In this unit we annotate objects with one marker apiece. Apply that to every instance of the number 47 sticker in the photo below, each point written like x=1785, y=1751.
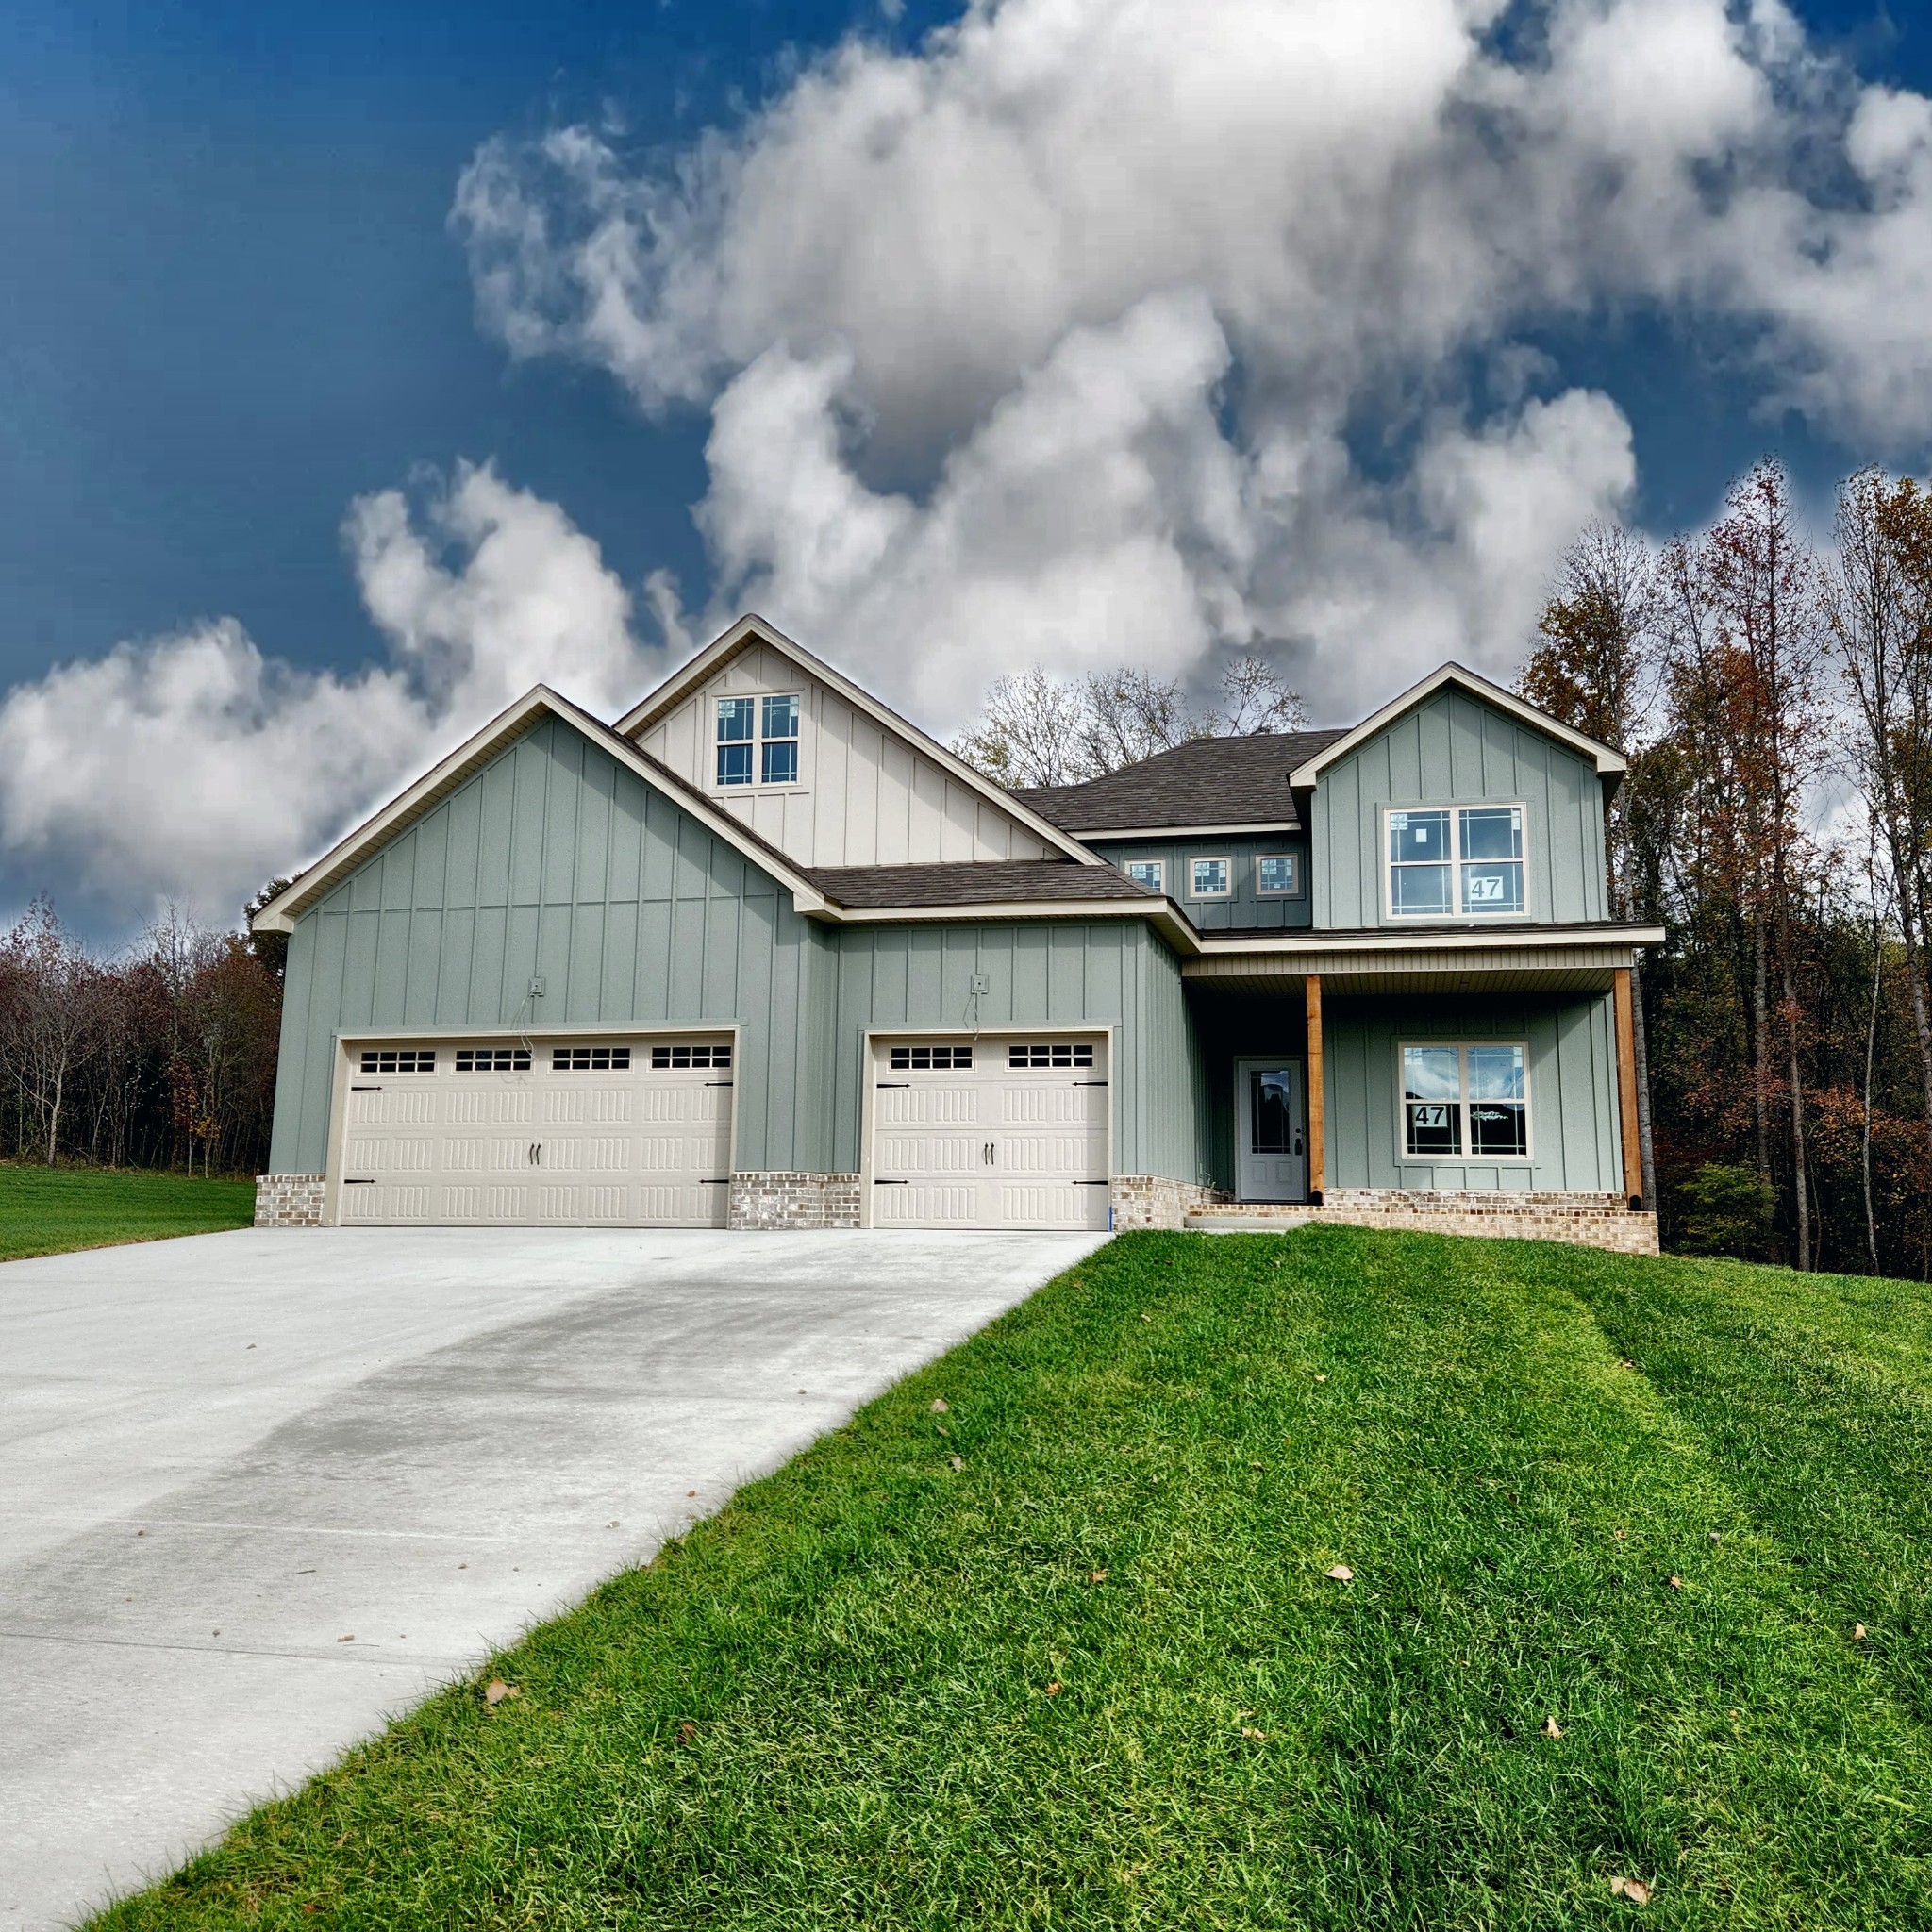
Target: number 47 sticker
x=1484, y=886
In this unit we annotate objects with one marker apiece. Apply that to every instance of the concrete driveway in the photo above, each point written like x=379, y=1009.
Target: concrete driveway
x=260, y=1490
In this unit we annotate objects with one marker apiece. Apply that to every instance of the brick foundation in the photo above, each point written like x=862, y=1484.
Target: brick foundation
x=773, y=1199
x=288, y=1200
x=1593, y=1221
x=1151, y=1200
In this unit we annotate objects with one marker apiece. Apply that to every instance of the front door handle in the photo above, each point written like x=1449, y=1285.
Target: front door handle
x=1297, y=1144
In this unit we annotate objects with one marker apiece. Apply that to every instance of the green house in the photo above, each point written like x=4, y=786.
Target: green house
x=760, y=953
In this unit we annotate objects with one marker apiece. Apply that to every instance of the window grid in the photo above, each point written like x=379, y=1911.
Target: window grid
x=1465, y=1100
x=399, y=1060
x=590, y=1060
x=1210, y=879
x=1278, y=874
x=1459, y=862
x=492, y=1059
x=1050, y=1053
x=678, y=1057
x=1151, y=872
x=758, y=739
x=922, y=1060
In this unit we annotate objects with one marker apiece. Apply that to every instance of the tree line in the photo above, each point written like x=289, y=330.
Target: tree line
x=162, y=1054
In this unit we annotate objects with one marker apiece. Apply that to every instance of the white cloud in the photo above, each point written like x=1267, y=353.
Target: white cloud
x=1052, y=336
x=192, y=767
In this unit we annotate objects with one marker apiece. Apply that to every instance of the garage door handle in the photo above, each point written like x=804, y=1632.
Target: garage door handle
x=892, y=1184
x=895, y=1083
x=1090, y=1083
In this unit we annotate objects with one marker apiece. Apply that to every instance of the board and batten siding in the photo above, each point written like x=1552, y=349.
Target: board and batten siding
x=1071, y=974
x=1455, y=749
x=1571, y=1076
x=865, y=796
x=556, y=861
x=1246, y=909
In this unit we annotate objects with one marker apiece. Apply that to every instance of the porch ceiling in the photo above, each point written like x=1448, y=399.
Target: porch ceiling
x=1418, y=970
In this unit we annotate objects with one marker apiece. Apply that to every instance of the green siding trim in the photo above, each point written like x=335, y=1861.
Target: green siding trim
x=1573, y=1093
x=1457, y=749
x=1112, y=973
x=1245, y=909
x=555, y=860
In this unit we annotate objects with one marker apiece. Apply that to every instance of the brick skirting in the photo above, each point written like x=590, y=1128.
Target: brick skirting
x=288, y=1200
x=1588, y=1220
x=775, y=1199
x=1151, y=1200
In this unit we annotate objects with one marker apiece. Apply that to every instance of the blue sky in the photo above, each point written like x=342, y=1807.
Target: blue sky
x=236, y=304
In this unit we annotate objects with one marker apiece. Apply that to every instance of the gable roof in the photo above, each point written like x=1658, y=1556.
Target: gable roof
x=1610, y=765
x=449, y=774
x=753, y=629
x=1205, y=783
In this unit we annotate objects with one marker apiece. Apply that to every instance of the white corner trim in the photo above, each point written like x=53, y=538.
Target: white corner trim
x=752, y=628
x=1609, y=764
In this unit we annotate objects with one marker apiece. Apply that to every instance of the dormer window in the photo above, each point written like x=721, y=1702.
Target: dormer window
x=1456, y=861
x=757, y=741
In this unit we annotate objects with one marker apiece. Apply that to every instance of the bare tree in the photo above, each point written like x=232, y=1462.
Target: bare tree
x=1033, y=730
x=1254, y=699
x=51, y=1023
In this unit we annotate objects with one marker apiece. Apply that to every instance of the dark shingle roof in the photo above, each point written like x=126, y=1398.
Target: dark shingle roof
x=973, y=883
x=1207, y=781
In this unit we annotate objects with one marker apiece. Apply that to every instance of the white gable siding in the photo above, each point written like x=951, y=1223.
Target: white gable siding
x=865, y=795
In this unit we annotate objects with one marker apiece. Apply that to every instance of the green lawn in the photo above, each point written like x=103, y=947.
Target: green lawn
x=1096, y=1676
x=46, y=1210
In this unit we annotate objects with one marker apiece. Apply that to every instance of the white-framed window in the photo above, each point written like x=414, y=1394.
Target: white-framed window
x=1455, y=862
x=1465, y=1100
x=1210, y=879
x=1151, y=872
x=1278, y=874
x=758, y=740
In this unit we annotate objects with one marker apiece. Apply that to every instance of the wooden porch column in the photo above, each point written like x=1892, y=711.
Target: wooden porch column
x=1627, y=1089
x=1318, y=1166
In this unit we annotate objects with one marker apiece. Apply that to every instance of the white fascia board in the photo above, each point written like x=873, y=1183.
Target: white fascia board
x=1609, y=764
x=753, y=628
x=281, y=913
x=1158, y=912
x=1255, y=829
x=1517, y=938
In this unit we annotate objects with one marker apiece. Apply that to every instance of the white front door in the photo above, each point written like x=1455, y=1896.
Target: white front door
x=992, y=1132
x=1270, y=1128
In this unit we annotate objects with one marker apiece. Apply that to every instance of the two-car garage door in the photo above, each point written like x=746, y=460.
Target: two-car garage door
x=575, y=1133
x=989, y=1132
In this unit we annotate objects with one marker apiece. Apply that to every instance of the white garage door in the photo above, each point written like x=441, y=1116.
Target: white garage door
x=989, y=1132
x=601, y=1133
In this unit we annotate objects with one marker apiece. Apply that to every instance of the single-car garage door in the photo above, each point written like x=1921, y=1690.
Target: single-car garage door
x=992, y=1132
x=566, y=1133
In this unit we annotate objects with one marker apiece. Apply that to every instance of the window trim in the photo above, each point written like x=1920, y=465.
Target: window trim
x=1455, y=807
x=1298, y=890
x=1194, y=859
x=1460, y=1043
x=1160, y=866
x=757, y=743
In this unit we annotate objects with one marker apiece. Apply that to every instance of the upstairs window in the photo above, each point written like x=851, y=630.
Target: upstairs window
x=1456, y=861
x=1210, y=879
x=1151, y=872
x=757, y=741
x=1278, y=874
x=1465, y=1102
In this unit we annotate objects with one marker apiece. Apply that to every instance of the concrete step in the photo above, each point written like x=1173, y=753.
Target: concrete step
x=1278, y=1222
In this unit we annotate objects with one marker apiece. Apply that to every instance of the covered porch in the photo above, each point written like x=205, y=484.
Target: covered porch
x=1468, y=1083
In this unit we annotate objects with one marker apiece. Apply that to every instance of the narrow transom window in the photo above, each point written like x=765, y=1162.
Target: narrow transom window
x=492, y=1059
x=681, y=1055
x=1151, y=872
x=1210, y=879
x=590, y=1060
x=736, y=720
x=1451, y=861
x=778, y=747
x=1051, y=1052
x=399, y=1060
x=1278, y=872
x=1465, y=1102
x=923, y=1060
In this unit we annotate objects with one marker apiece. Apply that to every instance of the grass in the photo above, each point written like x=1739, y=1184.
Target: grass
x=47, y=1210
x=1096, y=1676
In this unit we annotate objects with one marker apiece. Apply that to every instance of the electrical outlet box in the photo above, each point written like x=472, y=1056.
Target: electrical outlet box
x=981, y=983
x=538, y=988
